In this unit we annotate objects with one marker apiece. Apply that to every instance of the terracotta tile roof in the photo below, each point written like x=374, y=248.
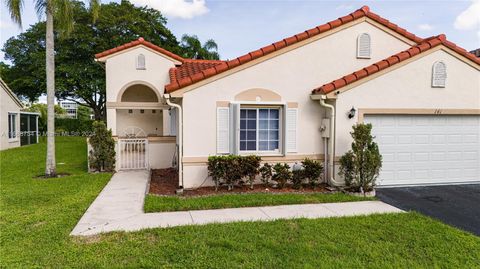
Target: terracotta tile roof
x=137, y=42
x=217, y=69
x=426, y=45
x=191, y=67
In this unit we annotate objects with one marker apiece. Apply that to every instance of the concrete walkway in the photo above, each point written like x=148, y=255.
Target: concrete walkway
x=119, y=207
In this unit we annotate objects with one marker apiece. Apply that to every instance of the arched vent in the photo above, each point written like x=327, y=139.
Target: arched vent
x=141, y=62
x=364, y=46
x=439, y=74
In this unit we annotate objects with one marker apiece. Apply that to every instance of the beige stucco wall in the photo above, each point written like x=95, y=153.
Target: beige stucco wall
x=8, y=105
x=160, y=154
x=151, y=123
x=409, y=87
x=291, y=75
x=121, y=72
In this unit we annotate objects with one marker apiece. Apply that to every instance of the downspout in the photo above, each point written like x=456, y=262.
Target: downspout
x=331, y=160
x=180, y=138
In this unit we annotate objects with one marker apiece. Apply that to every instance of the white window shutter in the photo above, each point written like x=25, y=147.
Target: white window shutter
x=291, y=118
x=223, y=130
x=439, y=74
x=234, y=128
x=173, y=121
x=364, y=46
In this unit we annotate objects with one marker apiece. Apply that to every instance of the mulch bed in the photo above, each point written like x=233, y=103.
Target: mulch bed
x=165, y=182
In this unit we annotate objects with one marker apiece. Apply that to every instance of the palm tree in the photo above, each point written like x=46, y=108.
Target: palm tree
x=195, y=50
x=61, y=12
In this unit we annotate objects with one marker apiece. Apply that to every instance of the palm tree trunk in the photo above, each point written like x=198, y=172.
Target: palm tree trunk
x=50, y=169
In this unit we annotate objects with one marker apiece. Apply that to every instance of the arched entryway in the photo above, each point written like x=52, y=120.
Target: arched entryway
x=142, y=116
x=143, y=127
x=139, y=93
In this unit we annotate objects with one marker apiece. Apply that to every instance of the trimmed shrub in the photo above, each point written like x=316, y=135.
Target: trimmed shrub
x=234, y=170
x=298, y=175
x=266, y=173
x=361, y=165
x=102, y=155
x=282, y=174
x=216, y=169
x=312, y=171
x=251, y=164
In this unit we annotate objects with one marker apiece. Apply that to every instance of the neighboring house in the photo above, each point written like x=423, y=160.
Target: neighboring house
x=298, y=98
x=71, y=109
x=17, y=128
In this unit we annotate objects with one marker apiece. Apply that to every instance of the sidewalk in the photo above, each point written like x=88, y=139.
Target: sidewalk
x=119, y=207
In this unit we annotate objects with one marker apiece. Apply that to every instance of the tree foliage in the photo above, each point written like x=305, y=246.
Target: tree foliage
x=193, y=48
x=361, y=165
x=78, y=76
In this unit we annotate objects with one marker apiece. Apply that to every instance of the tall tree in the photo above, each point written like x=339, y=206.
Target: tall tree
x=61, y=11
x=26, y=74
x=78, y=77
x=194, y=49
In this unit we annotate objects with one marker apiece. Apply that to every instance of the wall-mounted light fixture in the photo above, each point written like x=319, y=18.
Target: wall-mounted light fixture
x=352, y=112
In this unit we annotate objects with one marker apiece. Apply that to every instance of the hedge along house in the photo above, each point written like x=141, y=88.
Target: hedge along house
x=17, y=128
x=422, y=96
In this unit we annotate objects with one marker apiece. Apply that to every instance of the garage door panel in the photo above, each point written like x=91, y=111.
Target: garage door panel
x=427, y=149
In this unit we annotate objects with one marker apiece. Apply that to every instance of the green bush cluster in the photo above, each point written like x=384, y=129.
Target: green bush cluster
x=231, y=170
x=73, y=126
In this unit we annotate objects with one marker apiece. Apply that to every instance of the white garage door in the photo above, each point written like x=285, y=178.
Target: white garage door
x=427, y=149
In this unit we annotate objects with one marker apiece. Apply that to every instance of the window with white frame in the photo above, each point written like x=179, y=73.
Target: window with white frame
x=364, y=46
x=439, y=74
x=260, y=129
x=141, y=62
x=268, y=129
x=12, y=125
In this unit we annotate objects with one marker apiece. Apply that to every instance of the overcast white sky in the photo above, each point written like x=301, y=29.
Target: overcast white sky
x=239, y=26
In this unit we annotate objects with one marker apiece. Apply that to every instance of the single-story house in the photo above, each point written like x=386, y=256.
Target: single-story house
x=17, y=127
x=298, y=98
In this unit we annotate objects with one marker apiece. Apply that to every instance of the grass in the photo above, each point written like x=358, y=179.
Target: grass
x=154, y=203
x=36, y=217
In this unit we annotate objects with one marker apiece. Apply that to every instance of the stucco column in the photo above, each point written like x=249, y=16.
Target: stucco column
x=112, y=120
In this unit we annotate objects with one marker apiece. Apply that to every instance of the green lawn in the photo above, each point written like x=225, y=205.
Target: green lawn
x=36, y=217
x=155, y=203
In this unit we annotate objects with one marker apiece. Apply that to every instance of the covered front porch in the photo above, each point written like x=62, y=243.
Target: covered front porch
x=144, y=128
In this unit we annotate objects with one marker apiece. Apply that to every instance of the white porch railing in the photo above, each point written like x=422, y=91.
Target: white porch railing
x=132, y=153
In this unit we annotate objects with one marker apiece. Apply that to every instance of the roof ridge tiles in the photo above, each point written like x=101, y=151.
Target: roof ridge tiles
x=140, y=41
x=362, y=12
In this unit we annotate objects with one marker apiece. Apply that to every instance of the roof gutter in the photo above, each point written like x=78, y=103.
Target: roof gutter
x=179, y=138
x=331, y=140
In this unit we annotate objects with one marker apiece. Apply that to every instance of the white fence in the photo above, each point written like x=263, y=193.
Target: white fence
x=132, y=153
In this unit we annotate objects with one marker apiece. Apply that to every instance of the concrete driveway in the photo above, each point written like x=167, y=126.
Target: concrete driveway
x=457, y=205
